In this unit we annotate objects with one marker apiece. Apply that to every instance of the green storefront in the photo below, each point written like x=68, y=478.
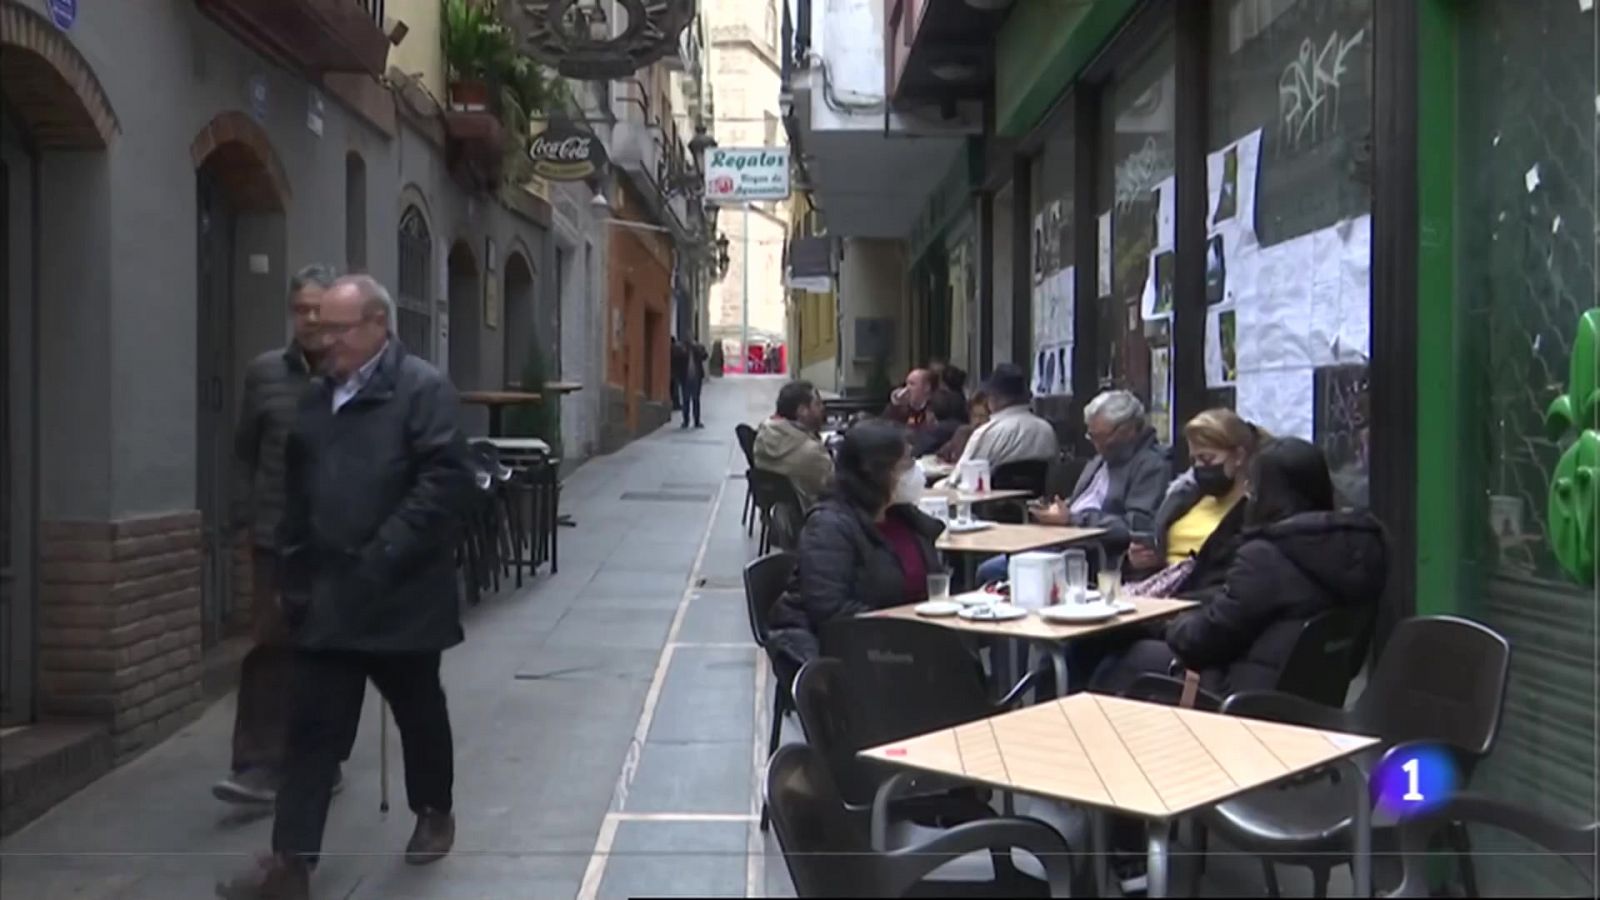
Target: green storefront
x=1445, y=151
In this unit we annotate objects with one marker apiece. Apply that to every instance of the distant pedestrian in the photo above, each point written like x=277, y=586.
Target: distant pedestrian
x=680, y=372
x=378, y=483
x=273, y=384
x=694, y=379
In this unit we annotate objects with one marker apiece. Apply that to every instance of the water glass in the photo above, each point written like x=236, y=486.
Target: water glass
x=964, y=514
x=1077, y=575
x=938, y=586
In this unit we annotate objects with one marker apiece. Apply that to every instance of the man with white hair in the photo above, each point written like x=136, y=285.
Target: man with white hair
x=377, y=487
x=1120, y=489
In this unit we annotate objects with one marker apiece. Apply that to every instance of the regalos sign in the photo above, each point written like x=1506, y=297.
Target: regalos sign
x=564, y=153
x=743, y=174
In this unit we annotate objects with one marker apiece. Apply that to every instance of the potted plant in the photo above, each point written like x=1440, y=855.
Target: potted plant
x=477, y=51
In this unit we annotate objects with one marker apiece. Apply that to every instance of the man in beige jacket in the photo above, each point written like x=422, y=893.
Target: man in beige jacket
x=789, y=444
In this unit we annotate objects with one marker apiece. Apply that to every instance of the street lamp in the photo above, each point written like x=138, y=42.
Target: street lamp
x=700, y=143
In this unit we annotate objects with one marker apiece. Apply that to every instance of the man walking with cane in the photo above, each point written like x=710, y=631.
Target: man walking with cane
x=378, y=483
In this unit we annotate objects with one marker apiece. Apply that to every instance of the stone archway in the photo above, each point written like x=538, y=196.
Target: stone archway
x=522, y=328
x=241, y=195
x=52, y=107
x=465, y=289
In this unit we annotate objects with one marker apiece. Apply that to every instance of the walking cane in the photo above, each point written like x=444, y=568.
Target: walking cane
x=383, y=757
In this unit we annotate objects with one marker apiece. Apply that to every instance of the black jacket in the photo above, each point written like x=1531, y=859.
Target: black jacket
x=932, y=440
x=376, y=493
x=273, y=385
x=1283, y=573
x=1214, y=557
x=846, y=567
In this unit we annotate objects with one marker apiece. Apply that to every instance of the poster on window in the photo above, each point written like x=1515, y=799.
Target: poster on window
x=1053, y=313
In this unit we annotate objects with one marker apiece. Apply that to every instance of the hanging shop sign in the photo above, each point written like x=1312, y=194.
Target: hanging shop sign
x=63, y=13
x=564, y=152
x=745, y=174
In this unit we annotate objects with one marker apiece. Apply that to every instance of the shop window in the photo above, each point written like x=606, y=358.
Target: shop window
x=416, y=272
x=1054, y=263
x=1135, y=195
x=355, y=213
x=1288, y=220
x=1526, y=257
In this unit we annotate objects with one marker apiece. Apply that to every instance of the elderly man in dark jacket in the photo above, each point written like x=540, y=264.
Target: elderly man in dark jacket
x=273, y=383
x=378, y=484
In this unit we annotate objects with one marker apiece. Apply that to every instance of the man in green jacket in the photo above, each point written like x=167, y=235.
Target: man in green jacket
x=789, y=443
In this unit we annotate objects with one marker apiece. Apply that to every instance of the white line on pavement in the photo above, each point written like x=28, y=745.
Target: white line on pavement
x=589, y=889
x=755, y=868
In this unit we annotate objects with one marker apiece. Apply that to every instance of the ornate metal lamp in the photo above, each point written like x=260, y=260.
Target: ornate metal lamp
x=581, y=41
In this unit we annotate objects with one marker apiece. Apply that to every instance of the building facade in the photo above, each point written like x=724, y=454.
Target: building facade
x=166, y=168
x=744, y=66
x=1368, y=224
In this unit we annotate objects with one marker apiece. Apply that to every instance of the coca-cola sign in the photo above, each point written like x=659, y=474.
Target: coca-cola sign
x=562, y=152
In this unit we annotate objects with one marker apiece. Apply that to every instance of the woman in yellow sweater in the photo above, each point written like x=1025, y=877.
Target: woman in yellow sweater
x=1200, y=518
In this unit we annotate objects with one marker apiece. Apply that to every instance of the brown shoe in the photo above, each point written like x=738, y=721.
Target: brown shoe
x=275, y=877
x=434, y=836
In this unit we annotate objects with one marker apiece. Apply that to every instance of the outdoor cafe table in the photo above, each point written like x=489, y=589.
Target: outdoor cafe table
x=1141, y=759
x=1007, y=538
x=1050, y=635
x=497, y=401
x=991, y=496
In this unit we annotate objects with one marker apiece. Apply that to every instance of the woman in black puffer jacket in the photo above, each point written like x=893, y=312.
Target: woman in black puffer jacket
x=864, y=546
x=1296, y=557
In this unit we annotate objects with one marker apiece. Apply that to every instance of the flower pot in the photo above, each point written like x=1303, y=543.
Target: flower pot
x=469, y=96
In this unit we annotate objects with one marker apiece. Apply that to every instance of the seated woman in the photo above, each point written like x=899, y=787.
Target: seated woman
x=977, y=415
x=1297, y=557
x=949, y=410
x=864, y=546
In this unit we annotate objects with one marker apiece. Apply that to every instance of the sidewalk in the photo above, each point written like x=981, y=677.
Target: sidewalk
x=606, y=724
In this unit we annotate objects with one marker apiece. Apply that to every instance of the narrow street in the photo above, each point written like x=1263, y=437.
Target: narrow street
x=608, y=725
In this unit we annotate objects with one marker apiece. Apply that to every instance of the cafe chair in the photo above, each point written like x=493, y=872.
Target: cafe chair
x=765, y=580
x=828, y=855
x=747, y=445
x=1022, y=475
x=1571, y=841
x=1440, y=680
x=1326, y=655
x=778, y=507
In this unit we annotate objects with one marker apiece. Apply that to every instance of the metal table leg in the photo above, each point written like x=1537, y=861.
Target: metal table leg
x=1160, y=853
x=1058, y=658
x=1361, y=855
x=1100, y=851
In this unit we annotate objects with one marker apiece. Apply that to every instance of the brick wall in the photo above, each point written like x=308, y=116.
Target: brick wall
x=120, y=625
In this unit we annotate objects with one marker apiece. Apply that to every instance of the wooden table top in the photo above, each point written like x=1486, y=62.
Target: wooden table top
x=1034, y=628
x=975, y=497
x=1004, y=538
x=1146, y=759
x=499, y=398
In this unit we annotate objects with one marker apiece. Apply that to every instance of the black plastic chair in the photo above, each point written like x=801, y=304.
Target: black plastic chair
x=1440, y=680
x=778, y=506
x=1028, y=475
x=747, y=445
x=764, y=582
x=828, y=853
x=1325, y=657
x=1573, y=842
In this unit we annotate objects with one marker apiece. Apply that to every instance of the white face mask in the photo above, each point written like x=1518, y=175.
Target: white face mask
x=910, y=487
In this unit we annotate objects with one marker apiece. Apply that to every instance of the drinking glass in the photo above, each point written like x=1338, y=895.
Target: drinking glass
x=1110, y=583
x=1077, y=575
x=964, y=513
x=938, y=586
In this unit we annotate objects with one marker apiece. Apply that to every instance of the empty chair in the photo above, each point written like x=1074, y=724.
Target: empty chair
x=764, y=582
x=1440, y=680
x=1572, y=841
x=828, y=853
x=1022, y=475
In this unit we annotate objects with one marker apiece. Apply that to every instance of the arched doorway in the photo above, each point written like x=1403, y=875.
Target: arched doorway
x=51, y=104
x=416, y=277
x=240, y=194
x=521, y=329
x=466, y=318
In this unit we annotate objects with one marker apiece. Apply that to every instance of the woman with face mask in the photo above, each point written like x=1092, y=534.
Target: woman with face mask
x=864, y=546
x=1198, y=522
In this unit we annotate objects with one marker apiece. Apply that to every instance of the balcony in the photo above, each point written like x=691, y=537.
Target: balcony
x=314, y=36
x=475, y=148
x=940, y=53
